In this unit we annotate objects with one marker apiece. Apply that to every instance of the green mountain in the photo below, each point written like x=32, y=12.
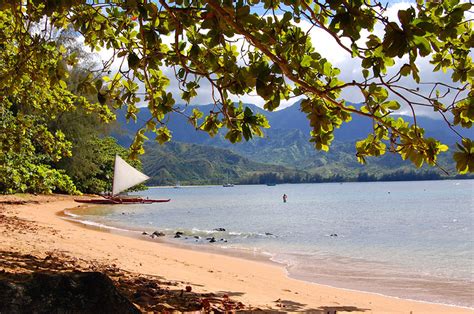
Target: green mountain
x=197, y=164
x=200, y=164
x=286, y=144
x=290, y=118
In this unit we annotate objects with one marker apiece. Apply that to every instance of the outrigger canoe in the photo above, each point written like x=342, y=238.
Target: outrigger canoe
x=118, y=200
x=125, y=176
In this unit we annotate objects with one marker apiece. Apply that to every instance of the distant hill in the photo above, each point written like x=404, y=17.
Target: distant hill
x=197, y=164
x=286, y=144
x=200, y=164
x=290, y=118
x=359, y=127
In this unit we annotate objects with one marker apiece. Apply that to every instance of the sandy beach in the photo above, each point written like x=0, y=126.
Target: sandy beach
x=30, y=226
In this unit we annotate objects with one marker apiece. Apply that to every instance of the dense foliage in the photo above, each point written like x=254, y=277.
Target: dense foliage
x=92, y=166
x=304, y=177
x=29, y=98
x=238, y=47
x=47, y=112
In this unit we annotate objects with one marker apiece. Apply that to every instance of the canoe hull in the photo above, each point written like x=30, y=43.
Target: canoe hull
x=116, y=200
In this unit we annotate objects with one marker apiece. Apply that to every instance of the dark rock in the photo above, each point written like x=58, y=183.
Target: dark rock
x=212, y=240
x=158, y=234
x=79, y=292
x=137, y=295
x=178, y=234
x=144, y=233
x=333, y=235
x=197, y=237
x=219, y=229
x=268, y=234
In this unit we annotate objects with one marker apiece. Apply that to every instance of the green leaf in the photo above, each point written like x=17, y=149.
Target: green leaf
x=465, y=156
x=102, y=97
x=133, y=60
x=391, y=104
x=306, y=61
x=365, y=73
x=423, y=45
x=163, y=135
x=63, y=84
x=405, y=70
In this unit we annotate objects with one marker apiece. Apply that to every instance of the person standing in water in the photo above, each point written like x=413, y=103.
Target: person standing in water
x=285, y=197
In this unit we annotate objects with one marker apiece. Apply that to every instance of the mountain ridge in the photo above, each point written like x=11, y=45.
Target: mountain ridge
x=289, y=118
x=285, y=144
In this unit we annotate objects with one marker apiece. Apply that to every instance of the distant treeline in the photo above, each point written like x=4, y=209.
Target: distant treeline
x=301, y=177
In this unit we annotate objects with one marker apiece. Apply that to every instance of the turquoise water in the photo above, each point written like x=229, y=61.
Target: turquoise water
x=404, y=239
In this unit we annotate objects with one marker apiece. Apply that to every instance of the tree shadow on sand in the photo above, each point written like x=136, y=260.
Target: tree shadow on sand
x=336, y=309
x=149, y=293
x=292, y=306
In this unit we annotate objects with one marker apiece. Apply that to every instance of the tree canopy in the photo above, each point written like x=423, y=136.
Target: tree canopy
x=239, y=48
x=45, y=114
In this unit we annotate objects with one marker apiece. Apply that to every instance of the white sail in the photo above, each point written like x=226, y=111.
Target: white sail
x=125, y=176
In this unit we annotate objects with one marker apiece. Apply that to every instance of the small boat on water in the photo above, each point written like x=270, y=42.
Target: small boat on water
x=228, y=184
x=125, y=176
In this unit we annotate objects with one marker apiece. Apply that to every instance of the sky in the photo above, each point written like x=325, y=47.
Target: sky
x=329, y=49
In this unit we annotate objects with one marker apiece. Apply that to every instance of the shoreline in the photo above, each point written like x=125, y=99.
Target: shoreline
x=254, y=283
x=239, y=253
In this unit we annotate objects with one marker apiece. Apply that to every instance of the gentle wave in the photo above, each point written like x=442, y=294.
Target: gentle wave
x=68, y=213
x=78, y=219
x=207, y=232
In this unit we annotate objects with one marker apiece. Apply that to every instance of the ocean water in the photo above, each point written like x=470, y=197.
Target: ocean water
x=411, y=240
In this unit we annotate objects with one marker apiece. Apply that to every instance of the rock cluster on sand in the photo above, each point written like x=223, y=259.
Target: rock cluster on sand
x=81, y=292
x=180, y=234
